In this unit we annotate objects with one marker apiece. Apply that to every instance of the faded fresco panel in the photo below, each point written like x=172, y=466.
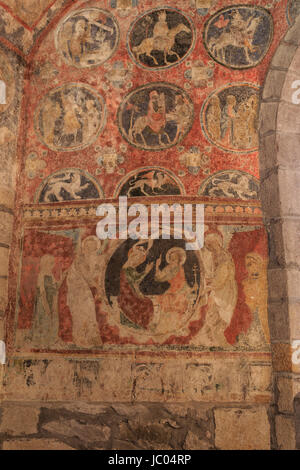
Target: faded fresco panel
x=78, y=292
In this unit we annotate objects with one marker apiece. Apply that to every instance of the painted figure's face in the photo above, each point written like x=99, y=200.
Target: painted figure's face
x=80, y=27
x=231, y=100
x=176, y=257
x=254, y=265
x=213, y=242
x=90, y=246
x=215, y=101
x=137, y=255
x=47, y=263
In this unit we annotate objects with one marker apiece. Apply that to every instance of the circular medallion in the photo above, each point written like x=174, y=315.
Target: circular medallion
x=155, y=116
x=239, y=36
x=7, y=84
x=70, y=117
x=161, y=38
x=149, y=181
x=69, y=184
x=292, y=10
x=153, y=288
x=87, y=37
x=230, y=184
x=229, y=118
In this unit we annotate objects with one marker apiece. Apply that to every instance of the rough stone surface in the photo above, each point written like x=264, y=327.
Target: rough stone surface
x=285, y=432
x=18, y=419
x=242, y=429
x=117, y=426
x=285, y=391
x=35, y=444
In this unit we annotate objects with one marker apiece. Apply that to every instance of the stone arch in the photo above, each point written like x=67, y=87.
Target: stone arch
x=280, y=180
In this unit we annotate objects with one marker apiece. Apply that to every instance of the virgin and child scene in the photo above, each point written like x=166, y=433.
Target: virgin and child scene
x=78, y=292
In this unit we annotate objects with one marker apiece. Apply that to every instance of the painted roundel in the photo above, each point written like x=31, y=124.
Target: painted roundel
x=156, y=116
x=153, y=289
x=229, y=118
x=231, y=184
x=239, y=36
x=149, y=181
x=69, y=184
x=70, y=117
x=292, y=10
x=87, y=37
x=161, y=38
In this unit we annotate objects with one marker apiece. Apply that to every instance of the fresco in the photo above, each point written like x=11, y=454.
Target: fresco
x=151, y=181
x=67, y=185
x=70, y=117
x=239, y=36
x=144, y=292
x=7, y=77
x=87, y=37
x=230, y=184
x=28, y=10
x=155, y=116
x=161, y=38
x=292, y=10
x=229, y=117
x=157, y=102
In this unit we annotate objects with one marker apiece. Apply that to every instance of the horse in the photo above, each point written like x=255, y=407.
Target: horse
x=241, y=37
x=163, y=43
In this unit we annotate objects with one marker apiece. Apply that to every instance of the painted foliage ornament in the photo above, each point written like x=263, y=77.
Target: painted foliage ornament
x=87, y=37
x=239, y=36
x=70, y=117
x=161, y=38
x=156, y=116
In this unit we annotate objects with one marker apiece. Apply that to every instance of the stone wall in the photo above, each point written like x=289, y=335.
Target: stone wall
x=279, y=161
x=119, y=426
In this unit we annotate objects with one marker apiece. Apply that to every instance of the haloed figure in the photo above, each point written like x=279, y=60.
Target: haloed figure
x=221, y=289
x=81, y=280
x=133, y=303
x=175, y=301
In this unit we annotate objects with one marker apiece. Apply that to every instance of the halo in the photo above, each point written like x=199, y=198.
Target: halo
x=93, y=238
x=178, y=250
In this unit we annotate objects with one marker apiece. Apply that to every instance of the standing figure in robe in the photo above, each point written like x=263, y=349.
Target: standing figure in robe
x=71, y=122
x=255, y=288
x=79, y=40
x=228, y=121
x=175, y=301
x=133, y=303
x=46, y=320
x=213, y=118
x=82, y=278
x=221, y=290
